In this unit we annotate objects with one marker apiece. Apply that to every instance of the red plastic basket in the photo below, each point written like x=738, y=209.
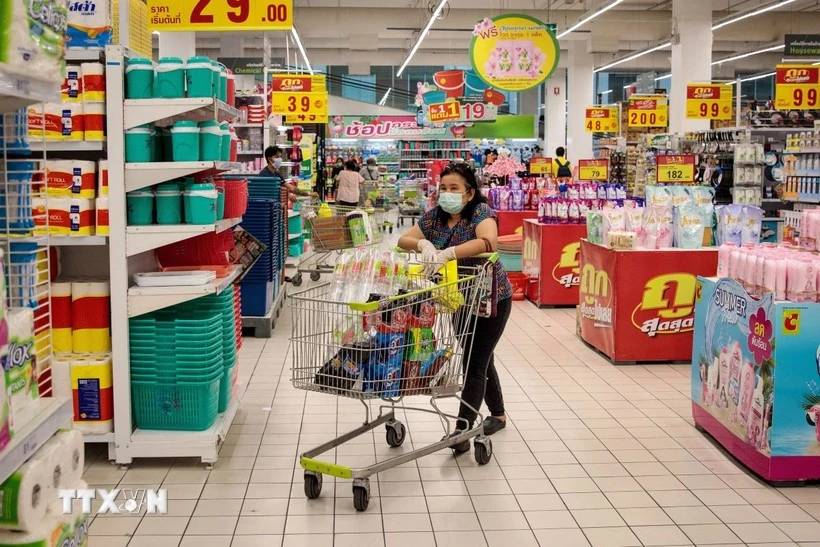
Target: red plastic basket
x=519, y=282
x=206, y=250
x=236, y=198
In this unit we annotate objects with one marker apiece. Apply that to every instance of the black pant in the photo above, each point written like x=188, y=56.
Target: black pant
x=347, y=203
x=481, y=379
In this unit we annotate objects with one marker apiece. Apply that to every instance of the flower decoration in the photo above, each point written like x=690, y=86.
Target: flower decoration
x=505, y=165
x=760, y=336
x=483, y=26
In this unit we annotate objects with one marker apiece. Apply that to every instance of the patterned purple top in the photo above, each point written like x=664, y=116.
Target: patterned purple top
x=442, y=236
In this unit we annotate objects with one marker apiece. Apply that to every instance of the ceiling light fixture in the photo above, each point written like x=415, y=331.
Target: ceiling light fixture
x=664, y=77
x=386, y=95
x=634, y=56
x=748, y=54
x=607, y=92
x=751, y=13
x=422, y=36
x=627, y=86
x=758, y=77
x=301, y=49
x=603, y=9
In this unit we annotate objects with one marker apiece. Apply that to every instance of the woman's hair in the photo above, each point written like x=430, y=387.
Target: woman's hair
x=351, y=165
x=371, y=161
x=468, y=174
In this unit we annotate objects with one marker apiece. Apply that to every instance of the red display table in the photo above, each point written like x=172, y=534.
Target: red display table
x=551, y=260
x=511, y=222
x=638, y=306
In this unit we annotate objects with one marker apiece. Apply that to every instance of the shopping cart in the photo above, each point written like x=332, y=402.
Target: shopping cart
x=406, y=345
x=332, y=229
x=411, y=200
x=377, y=197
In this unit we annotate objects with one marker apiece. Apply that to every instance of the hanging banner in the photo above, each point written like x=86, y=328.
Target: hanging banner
x=457, y=97
x=797, y=87
x=513, y=52
x=648, y=111
x=802, y=45
x=540, y=166
x=602, y=119
x=709, y=101
x=219, y=15
x=384, y=127
x=676, y=168
x=593, y=169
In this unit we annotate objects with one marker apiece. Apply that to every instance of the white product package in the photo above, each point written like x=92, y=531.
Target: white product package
x=23, y=497
x=20, y=367
x=63, y=455
x=34, y=39
x=89, y=24
x=61, y=374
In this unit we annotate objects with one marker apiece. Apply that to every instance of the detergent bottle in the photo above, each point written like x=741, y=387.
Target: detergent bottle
x=325, y=211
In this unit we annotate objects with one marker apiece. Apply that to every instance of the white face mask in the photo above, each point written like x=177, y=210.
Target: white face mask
x=450, y=202
x=277, y=162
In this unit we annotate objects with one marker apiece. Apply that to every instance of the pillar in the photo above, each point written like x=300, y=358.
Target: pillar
x=555, y=117
x=691, y=59
x=177, y=44
x=579, y=96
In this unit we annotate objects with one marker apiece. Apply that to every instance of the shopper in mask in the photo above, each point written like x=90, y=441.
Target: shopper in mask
x=370, y=172
x=460, y=227
x=350, y=182
x=273, y=158
x=338, y=167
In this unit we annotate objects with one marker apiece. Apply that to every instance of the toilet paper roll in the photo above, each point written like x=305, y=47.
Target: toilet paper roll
x=19, y=365
x=61, y=317
x=59, y=215
x=45, y=121
x=56, y=509
x=61, y=375
x=72, y=88
x=34, y=39
x=102, y=216
x=94, y=121
x=93, y=82
x=73, y=121
x=92, y=387
x=74, y=178
x=23, y=500
x=39, y=213
x=64, y=456
x=102, y=178
x=91, y=316
x=83, y=220
x=44, y=535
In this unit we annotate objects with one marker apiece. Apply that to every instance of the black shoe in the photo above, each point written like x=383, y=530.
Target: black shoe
x=462, y=447
x=493, y=425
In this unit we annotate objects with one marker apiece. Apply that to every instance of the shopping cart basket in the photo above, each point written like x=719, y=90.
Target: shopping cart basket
x=345, y=228
x=377, y=197
x=406, y=345
x=411, y=201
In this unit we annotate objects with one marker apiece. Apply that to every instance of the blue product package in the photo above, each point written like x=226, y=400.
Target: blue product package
x=384, y=371
x=89, y=24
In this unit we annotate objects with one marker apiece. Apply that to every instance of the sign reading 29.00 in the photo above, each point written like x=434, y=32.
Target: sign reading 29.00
x=220, y=15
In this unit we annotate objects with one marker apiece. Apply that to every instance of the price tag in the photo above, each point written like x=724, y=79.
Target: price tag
x=678, y=168
x=797, y=87
x=220, y=15
x=312, y=106
x=540, y=166
x=601, y=119
x=647, y=112
x=593, y=169
x=301, y=83
x=444, y=112
x=708, y=102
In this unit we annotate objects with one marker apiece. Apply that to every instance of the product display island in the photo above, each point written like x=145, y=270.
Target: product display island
x=638, y=306
x=551, y=260
x=747, y=354
x=511, y=222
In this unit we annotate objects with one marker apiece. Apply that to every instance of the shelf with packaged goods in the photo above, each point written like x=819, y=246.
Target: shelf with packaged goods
x=141, y=175
x=143, y=111
x=77, y=241
x=246, y=125
x=18, y=91
x=249, y=152
x=67, y=146
x=52, y=415
x=802, y=150
x=73, y=55
x=142, y=300
x=139, y=239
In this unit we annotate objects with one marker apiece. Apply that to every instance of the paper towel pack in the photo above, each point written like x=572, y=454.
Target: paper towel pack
x=23, y=497
x=20, y=367
x=34, y=39
x=103, y=228
x=91, y=317
x=45, y=121
x=74, y=178
x=61, y=317
x=94, y=121
x=83, y=219
x=93, y=82
x=89, y=24
x=72, y=88
x=102, y=178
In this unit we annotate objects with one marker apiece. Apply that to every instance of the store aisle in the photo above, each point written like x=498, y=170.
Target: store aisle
x=594, y=454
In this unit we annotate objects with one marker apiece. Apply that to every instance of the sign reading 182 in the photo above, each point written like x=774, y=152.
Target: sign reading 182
x=220, y=15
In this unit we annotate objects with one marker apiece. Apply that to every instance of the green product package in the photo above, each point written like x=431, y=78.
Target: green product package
x=9, y=494
x=358, y=230
x=32, y=37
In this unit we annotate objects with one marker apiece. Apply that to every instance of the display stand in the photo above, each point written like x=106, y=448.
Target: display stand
x=748, y=354
x=512, y=222
x=638, y=306
x=551, y=261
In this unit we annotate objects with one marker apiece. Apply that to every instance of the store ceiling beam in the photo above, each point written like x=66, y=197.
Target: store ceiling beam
x=589, y=16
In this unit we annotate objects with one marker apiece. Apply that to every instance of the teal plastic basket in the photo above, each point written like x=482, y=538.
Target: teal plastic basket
x=175, y=407
x=225, y=388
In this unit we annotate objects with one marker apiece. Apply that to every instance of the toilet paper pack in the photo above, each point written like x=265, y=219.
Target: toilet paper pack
x=23, y=500
x=89, y=24
x=20, y=367
x=33, y=39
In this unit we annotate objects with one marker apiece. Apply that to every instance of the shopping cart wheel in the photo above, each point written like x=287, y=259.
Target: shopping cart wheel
x=296, y=280
x=483, y=451
x=313, y=485
x=396, y=433
x=361, y=498
x=315, y=276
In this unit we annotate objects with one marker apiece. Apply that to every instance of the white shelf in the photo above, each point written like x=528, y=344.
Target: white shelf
x=258, y=125
x=141, y=175
x=77, y=241
x=74, y=55
x=98, y=437
x=18, y=91
x=139, y=239
x=67, y=146
x=53, y=414
x=142, y=111
x=142, y=300
x=802, y=150
x=250, y=152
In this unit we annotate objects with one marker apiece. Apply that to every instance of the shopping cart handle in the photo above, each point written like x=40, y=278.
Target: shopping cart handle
x=491, y=257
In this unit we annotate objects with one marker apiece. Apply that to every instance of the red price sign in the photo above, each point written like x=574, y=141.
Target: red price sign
x=676, y=168
x=220, y=15
x=797, y=87
x=444, y=112
x=540, y=166
x=648, y=112
x=593, y=169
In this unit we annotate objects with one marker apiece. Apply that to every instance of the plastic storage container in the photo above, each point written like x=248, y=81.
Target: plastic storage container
x=223, y=83
x=185, y=138
x=220, y=203
x=140, y=205
x=210, y=141
x=169, y=203
x=226, y=142
x=199, y=77
x=199, y=201
x=171, y=78
x=216, y=70
x=138, y=144
x=139, y=78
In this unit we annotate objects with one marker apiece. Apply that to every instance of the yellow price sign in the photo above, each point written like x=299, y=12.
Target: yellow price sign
x=593, y=169
x=708, y=102
x=301, y=107
x=540, y=166
x=647, y=112
x=220, y=15
x=678, y=168
x=797, y=87
x=601, y=119
x=443, y=112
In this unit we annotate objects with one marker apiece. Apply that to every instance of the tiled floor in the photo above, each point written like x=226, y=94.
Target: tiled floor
x=594, y=455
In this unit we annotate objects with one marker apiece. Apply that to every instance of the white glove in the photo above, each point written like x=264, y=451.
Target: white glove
x=428, y=253
x=442, y=258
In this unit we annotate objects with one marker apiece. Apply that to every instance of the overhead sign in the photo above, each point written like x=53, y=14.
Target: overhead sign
x=444, y=112
x=709, y=101
x=457, y=97
x=593, y=169
x=301, y=107
x=678, y=168
x=540, y=166
x=645, y=82
x=802, y=45
x=384, y=127
x=219, y=15
x=797, y=87
x=299, y=83
x=243, y=66
x=602, y=119
x=513, y=52
x=648, y=111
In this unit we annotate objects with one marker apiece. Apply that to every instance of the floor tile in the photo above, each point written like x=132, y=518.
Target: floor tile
x=660, y=535
x=611, y=537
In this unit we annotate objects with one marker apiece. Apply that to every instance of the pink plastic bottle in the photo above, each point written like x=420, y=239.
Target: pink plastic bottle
x=723, y=259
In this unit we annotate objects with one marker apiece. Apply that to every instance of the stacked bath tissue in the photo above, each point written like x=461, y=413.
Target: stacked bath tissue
x=76, y=203
x=20, y=368
x=32, y=38
x=81, y=113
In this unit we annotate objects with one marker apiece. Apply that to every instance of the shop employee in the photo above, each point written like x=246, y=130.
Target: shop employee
x=273, y=167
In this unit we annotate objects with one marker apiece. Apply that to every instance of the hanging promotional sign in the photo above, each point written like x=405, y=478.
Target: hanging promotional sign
x=593, y=169
x=299, y=83
x=243, y=66
x=301, y=98
x=219, y=15
x=648, y=111
x=384, y=127
x=801, y=45
x=540, y=166
x=602, y=119
x=709, y=101
x=513, y=52
x=797, y=87
x=457, y=97
x=676, y=168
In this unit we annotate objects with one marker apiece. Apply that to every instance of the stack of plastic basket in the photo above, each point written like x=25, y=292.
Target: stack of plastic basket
x=237, y=310
x=260, y=286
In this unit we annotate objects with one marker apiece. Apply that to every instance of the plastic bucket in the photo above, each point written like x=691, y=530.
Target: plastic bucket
x=475, y=86
x=169, y=203
x=226, y=142
x=185, y=140
x=433, y=97
x=199, y=77
x=200, y=206
x=171, y=78
x=210, y=141
x=139, y=78
x=140, y=205
x=138, y=145
x=451, y=82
